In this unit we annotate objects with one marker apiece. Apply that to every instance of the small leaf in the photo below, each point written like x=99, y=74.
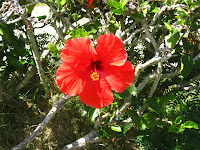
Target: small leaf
x=145, y=3
x=131, y=90
x=169, y=27
x=135, y=117
x=123, y=4
x=186, y=65
x=114, y=4
x=127, y=128
x=174, y=38
x=117, y=11
x=93, y=114
x=148, y=121
x=191, y=124
x=155, y=10
x=138, y=17
x=1, y=31
x=178, y=120
x=182, y=13
x=175, y=129
x=116, y=128
x=154, y=104
x=52, y=47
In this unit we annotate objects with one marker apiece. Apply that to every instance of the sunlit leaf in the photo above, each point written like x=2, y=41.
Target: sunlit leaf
x=174, y=38
x=116, y=128
x=191, y=124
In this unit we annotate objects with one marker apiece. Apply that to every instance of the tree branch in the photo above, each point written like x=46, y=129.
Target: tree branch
x=92, y=137
x=43, y=124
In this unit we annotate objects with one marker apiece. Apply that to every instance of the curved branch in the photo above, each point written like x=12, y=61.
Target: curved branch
x=43, y=124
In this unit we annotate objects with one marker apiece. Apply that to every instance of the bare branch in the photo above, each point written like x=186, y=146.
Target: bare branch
x=156, y=81
x=43, y=124
x=92, y=137
x=153, y=41
x=150, y=62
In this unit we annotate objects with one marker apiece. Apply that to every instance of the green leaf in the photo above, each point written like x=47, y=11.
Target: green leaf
x=182, y=13
x=114, y=4
x=52, y=47
x=75, y=16
x=61, y=2
x=175, y=129
x=155, y=10
x=145, y=3
x=116, y=128
x=174, y=38
x=1, y=31
x=196, y=64
x=178, y=120
x=117, y=11
x=186, y=65
x=135, y=117
x=154, y=104
x=191, y=124
x=168, y=25
x=123, y=4
x=93, y=114
x=127, y=127
x=148, y=121
x=138, y=17
x=187, y=46
x=131, y=90
x=114, y=25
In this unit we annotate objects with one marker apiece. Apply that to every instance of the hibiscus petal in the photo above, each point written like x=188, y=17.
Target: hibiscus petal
x=110, y=50
x=69, y=80
x=78, y=51
x=97, y=93
x=121, y=77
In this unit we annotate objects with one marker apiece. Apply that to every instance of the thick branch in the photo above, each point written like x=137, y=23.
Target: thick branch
x=92, y=137
x=43, y=124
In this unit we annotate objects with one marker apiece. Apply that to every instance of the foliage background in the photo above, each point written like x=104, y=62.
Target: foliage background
x=162, y=107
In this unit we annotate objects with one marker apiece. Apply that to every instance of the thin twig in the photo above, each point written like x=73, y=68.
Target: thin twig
x=156, y=81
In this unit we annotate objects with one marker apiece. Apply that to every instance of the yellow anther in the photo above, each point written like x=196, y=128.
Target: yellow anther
x=95, y=76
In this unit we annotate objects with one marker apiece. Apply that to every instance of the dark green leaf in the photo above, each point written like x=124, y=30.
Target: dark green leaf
x=131, y=90
x=174, y=38
x=186, y=65
x=148, y=121
x=154, y=104
x=134, y=116
x=176, y=129
x=138, y=17
x=127, y=127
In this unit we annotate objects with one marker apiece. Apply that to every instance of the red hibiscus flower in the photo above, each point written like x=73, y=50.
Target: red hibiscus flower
x=91, y=72
x=90, y=3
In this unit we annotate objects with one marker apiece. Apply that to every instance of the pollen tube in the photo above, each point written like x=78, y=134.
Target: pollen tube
x=95, y=76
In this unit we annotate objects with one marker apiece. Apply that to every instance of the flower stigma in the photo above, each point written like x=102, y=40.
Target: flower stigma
x=95, y=76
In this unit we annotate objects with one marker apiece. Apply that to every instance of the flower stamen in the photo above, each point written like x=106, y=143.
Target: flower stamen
x=95, y=76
